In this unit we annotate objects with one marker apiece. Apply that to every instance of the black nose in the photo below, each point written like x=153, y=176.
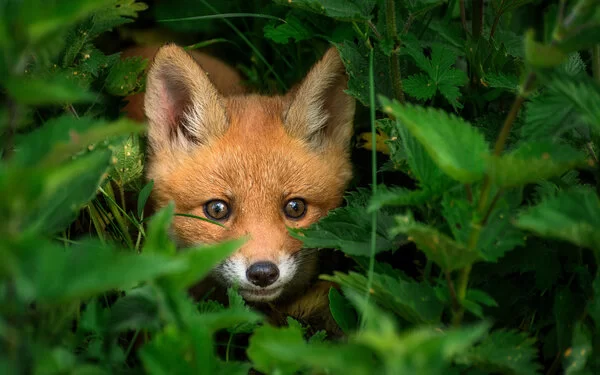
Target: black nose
x=262, y=273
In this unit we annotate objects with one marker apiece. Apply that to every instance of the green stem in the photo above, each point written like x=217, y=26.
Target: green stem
x=373, y=180
x=227, y=348
x=596, y=62
x=392, y=34
x=463, y=16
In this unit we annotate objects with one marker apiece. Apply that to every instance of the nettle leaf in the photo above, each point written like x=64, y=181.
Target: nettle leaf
x=577, y=355
x=454, y=145
x=137, y=310
x=348, y=229
x=504, y=351
x=397, y=196
x=582, y=92
x=509, y=82
x=293, y=28
x=116, y=13
x=532, y=162
x=356, y=60
x=52, y=275
x=346, y=10
x=572, y=216
x=342, y=311
x=447, y=253
x=67, y=189
x=441, y=76
x=40, y=91
x=284, y=351
x=126, y=77
x=405, y=147
x=414, y=302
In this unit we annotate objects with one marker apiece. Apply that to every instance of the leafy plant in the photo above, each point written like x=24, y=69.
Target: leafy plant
x=472, y=237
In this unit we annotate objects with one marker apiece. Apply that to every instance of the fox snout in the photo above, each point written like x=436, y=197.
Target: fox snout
x=262, y=274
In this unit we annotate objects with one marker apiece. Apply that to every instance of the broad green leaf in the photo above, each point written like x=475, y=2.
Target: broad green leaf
x=577, y=355
x=504, y=351
x=532, y=162
x=414, y=302
x=348, y=229
x=542, y=55
x=284, y=351
x=51, y=274
x=346, y=10
x=572, y=216
x=157, y=235
x=453, y=144
x=293, y=28
x=126, y=77
x=397, y=196
x=441, y=249
x=442, y=76
x=137, y=310
x=582, y=92
x=201, y=260
x=508, y=82
x=342, y=312
x=66, y=190
x=38, y=91
x=115, y=13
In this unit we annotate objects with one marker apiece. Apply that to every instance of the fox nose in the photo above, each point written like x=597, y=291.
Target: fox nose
x=262, y=273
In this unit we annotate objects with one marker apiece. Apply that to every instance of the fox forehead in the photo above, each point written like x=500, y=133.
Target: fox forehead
x=255, y=162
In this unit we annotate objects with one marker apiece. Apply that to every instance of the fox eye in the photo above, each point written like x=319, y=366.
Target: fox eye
x=216, y=210
x=295, y=208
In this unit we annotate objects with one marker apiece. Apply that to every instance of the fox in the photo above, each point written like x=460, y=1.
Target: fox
x=257, y=164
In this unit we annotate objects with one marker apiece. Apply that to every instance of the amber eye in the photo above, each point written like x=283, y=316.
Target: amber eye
x=295, y=208
x=216, y=210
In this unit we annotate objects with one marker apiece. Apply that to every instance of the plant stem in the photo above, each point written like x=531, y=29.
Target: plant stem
x=463, y=16
x=477, y=19
x=496, y=20
x=392, y=34
x=373, y=179
x=596, y=62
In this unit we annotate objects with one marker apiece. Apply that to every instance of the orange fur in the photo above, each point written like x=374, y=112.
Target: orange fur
x=209, y=141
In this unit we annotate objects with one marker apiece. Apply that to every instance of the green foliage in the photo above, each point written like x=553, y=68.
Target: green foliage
x=485, y=207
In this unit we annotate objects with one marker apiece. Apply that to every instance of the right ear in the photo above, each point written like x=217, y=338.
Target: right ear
x=182, y=105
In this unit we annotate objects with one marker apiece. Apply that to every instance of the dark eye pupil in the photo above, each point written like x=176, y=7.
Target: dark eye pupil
x=295, y=208
x=216, y=210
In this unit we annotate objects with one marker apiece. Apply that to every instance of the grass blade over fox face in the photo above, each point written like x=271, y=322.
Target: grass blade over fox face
x=254, y=163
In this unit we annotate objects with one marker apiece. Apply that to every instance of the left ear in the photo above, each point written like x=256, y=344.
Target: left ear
x=320, y=112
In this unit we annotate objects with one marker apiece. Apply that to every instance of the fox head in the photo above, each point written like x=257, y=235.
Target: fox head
x=256, y=164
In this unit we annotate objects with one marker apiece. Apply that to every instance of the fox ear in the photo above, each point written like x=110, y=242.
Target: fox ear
x=320, y=112
x=182, y=105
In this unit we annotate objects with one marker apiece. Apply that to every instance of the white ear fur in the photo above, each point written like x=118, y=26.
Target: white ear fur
x=183, y=107
x=320, y=111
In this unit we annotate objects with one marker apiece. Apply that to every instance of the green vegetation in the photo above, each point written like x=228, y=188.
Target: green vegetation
x=473, y=222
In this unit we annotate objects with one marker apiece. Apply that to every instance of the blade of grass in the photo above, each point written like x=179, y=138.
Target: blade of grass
x=222, y=16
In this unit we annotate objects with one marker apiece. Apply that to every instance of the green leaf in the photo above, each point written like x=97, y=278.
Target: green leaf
x=53, y=275
x=39, y=91
x=414, y=302
x=157, y=236
x=508, y=82
x=137, y=310
x=442, y=76
x=126, y=77
x=284, y=351
x=447, y=253
x=504, y=351
x=577, y=355
x=66, y=190
x=143, y=197
x=115, y=13
x=356, y=60
x=346, y=10
x=532, y=162
x=342, y=312
x=292, y=29
x=453, y=144
x=348, y=229
x=397, y=196
x=582, y=92
x=572, y=216
x=542, y=55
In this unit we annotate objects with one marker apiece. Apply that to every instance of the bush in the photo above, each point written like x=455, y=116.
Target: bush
x=483, y=125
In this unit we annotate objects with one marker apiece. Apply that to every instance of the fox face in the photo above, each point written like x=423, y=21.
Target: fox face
x=255, y=164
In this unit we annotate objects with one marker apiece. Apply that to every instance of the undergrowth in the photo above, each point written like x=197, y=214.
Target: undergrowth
x=473, y=222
